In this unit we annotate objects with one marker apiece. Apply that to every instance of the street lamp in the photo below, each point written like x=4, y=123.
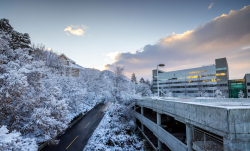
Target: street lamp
x=160, y=65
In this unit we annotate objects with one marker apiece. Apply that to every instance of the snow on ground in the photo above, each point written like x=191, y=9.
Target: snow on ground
x=14, y=141
x=40, y=94
x=116, y=131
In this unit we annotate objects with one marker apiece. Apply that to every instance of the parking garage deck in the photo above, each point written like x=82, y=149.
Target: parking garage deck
x=228, y=118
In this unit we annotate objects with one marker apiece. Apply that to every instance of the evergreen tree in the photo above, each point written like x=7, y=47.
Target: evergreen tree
x=133, y=78
x=142, y=80
x=147, y=82
x=18, y=40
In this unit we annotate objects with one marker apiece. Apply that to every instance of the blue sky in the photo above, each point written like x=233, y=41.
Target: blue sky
x=113, y=26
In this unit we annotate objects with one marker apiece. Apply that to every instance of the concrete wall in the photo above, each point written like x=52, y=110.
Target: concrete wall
x=206, y=117
x=165, y=137
x=229, y=118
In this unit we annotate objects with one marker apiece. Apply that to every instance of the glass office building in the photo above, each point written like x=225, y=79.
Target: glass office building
x=195, y=81
x=235, y=86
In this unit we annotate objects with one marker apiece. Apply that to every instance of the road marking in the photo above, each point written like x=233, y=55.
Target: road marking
x=87, y=125
x=95, y=115
x=72, y=142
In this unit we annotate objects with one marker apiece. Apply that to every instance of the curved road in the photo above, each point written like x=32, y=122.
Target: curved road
x=76, y=137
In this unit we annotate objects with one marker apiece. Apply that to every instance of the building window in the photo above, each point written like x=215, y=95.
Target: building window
x=248, y=84
x=249, y=90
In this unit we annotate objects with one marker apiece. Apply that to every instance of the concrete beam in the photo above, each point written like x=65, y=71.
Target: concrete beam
x=168, y=139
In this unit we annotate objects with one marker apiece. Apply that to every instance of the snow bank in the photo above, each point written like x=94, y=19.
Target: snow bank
x=13, y=141
x=116, y=131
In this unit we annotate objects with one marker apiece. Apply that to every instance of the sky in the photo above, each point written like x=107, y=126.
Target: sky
x=138, y=34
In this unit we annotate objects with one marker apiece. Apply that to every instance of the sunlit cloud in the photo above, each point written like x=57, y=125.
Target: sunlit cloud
x=223, y=15
x=226, y=36
x=210, y=6
x=111, y=57
x=76, y=30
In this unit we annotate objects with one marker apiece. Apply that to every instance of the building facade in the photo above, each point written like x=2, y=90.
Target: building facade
x=194, y=82
x=235, y=86
x=247, y=82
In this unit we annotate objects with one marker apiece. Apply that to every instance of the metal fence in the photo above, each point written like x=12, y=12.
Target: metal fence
x=207, y=141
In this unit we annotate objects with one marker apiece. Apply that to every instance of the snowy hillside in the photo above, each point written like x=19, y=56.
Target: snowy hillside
x=41, y=91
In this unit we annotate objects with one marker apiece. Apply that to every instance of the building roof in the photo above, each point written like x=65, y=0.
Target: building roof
x=72, y=61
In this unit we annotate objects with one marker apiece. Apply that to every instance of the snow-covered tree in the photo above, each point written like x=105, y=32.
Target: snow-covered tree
x=38, y=101
x=218, y=94
x=116, y=131
x=133, y=78
x=169, y=94
x=241, y=94
x=162, y=92
x=142, y=80
x=142, y=89
x=148, y=83
x=18, y=40
x=14, y=141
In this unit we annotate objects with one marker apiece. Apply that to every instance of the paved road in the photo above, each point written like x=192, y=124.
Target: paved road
x=75, y=138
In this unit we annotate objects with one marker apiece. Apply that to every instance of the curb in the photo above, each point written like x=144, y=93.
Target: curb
x=40, y=147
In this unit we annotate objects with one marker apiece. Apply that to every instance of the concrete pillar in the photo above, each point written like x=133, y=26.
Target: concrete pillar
x=142, y=113
x=142, y=127
x=158, y=118
x=159, y=123
x=189, y=136
x=159, y=144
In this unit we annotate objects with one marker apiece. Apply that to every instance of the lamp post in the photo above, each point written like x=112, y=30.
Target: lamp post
x=160, y=65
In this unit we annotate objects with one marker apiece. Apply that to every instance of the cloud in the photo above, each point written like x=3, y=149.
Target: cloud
x=111, y=57
x=76, y=30
x=226, y=36
x=210, y=6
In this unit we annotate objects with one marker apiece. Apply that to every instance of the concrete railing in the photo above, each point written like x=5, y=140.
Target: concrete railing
x=205, y=113
x=168, y=139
